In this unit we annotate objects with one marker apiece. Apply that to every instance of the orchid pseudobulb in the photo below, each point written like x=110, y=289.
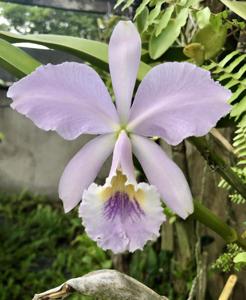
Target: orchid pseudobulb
x=174, y=101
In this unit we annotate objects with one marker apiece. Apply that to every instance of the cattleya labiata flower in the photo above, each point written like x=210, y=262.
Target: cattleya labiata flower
x=174, y=101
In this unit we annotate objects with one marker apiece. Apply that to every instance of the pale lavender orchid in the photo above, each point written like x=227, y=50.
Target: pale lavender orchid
x=174, y=101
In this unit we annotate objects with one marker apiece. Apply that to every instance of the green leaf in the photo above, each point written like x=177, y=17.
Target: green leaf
x=90, y=51
x=142, y=20
x=15, y=60
x=230, y=73
x=239, y=108
x=118, y=3
x=159, y=45
x=196, y=52
x=192, y=3
x=155, y=12
x=238, y=7
x=203, y=17
x=128, y=4
x=165, y=18
x=141, y=8
x=211, y=38
x=242, y=123
x=240, y=258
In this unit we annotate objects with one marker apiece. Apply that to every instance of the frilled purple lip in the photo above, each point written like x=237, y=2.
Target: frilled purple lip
x=121, y=216
x=121, y=206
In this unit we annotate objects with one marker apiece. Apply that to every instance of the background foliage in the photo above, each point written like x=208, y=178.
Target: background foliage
x=41, y=246
x=32, y=19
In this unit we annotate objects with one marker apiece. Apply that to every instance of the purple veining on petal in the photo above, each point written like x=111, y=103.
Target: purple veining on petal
x=120, y=205
x=124, y=218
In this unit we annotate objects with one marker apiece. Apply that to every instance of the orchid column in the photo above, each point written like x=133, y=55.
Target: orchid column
x=174, y=101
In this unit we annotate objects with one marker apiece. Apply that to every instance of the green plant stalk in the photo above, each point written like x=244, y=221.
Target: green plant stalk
x=218, y=164
x=209, y=219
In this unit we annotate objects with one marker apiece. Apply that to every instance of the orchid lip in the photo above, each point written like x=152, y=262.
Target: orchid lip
x=121, y=216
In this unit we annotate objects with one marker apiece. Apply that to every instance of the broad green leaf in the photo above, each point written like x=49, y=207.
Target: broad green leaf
x=240, y=258
x=196, y=52
x=142, y=20
x=90, y=51
x=141, y=7
x=128, y=4
x=182, y=2
x=118, y=3
x=191, y=3
x=211, y=38
x=165, y=18
x=203, y=17
x=155, y=12
x=15, y=60
x=159, y=45
x=238, y=7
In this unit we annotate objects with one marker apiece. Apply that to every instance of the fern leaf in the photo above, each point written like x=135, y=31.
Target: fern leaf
x=230, y=72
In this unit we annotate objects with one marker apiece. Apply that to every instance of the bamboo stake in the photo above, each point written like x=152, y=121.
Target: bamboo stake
x=228, y=288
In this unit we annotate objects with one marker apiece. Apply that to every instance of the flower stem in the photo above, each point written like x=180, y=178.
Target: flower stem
x=209, y=219
x=218, y=164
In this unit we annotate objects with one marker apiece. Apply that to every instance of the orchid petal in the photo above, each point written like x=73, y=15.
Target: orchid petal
x=177, y=100
x=121, y=217
x=83, y=169
x=124, y=58
x=69, y=98
x=122, y=158
x=163, y=173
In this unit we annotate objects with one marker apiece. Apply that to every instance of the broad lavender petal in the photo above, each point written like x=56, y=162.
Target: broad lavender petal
x=122, y=217
x=122, y=158
x=69, y=98
x=83, y=169
x=177, y=100
x=124, y=58
x=164, y=174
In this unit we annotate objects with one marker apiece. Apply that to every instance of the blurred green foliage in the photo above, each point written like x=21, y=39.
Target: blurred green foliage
x=32, y=19
x=225, y=262
x=41, y=247
x=160, y=270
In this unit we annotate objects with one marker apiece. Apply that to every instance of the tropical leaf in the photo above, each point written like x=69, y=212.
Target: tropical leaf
x=141, y=8
x=15, y=60
x=128, y=4
x=159, y=45
x=211, y=38
x=230, y=71
x=164, y=19
x=90, y=51
x=155, y=12
x=118, y=3
x=238, y=7
x=203, y=17
x=239, y=144
x=240, y=258
x=142, y=20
